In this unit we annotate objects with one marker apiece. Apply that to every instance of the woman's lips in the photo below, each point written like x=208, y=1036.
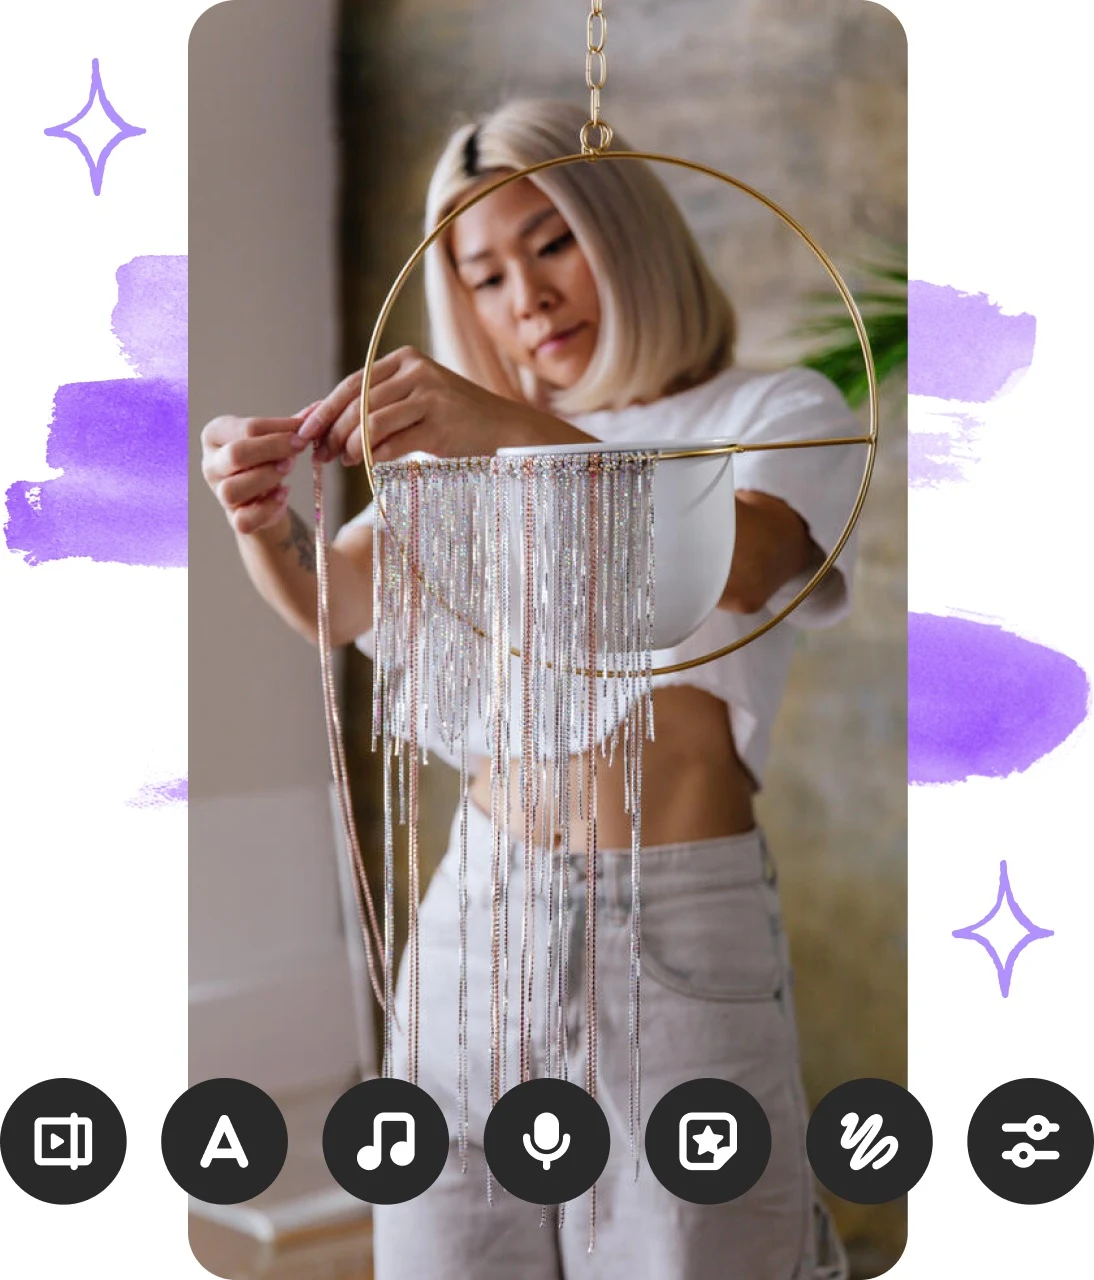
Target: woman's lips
x=549, y=345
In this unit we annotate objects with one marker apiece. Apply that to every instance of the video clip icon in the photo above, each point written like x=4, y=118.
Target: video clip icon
x=62, y=1140
x=46, y=1141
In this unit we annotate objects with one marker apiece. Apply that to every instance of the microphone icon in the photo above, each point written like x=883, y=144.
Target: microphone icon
x=543, y=1143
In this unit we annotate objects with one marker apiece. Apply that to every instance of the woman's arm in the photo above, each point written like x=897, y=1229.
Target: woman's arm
x=792, y=506
x=771, y=547
x=245, y=462
x=280, y=560
x=415, y=405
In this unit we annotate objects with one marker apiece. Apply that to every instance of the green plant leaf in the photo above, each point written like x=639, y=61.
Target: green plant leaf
x=883, y=305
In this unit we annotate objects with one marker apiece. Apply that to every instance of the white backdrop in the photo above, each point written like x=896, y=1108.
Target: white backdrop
x=93, y=943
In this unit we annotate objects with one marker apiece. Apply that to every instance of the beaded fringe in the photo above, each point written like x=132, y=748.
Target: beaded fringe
x=472, y=556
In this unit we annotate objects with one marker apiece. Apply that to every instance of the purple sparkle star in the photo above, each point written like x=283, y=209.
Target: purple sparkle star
x=1005, y=969
x=98, y=165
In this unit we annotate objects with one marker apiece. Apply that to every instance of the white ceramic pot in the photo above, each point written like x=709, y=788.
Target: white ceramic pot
x=694, y=529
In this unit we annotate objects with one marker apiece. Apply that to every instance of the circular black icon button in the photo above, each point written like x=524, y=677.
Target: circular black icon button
x=869, y=1141
x=708, y=1141
x=385, y=1141
x=546, y=1141
x=224, y=1141
x=63, y=1141
x=1030, y=1141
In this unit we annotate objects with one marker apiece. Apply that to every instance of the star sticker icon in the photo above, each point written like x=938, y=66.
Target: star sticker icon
x=1011, y=931
x=103, y=129
x=708, y=1141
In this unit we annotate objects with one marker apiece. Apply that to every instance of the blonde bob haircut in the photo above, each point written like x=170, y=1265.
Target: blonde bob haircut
x=665, y=323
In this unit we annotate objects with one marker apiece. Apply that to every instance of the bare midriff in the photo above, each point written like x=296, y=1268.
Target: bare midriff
x=694, y=786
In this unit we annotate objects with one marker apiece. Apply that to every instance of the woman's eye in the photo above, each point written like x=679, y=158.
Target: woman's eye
x=557, y=244
x=491, y=282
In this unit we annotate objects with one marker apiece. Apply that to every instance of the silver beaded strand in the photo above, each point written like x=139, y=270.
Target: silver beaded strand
x=585, y=552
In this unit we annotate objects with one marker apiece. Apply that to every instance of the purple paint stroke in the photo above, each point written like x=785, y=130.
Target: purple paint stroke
x=961, y=346
x=984, y=702
x=154, y=795
x=1004, y=968
x=150, y=318
x=122, y=497
x=122, y=445
x=96, y=165
x=935, y=457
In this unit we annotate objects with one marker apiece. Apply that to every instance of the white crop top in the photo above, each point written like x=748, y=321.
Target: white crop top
x=819, y=484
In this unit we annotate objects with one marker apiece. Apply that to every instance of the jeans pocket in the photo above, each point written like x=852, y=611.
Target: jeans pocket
x=720, y=944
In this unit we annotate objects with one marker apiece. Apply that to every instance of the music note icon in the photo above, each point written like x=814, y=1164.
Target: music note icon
x=402, y=1152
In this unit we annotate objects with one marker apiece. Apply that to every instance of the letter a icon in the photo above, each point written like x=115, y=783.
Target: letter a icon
x=233, y=1151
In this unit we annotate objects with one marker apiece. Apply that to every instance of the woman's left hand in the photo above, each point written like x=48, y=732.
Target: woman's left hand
x=417, y=404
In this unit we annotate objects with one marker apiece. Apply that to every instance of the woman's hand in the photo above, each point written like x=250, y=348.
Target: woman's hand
x=417, y=404
x=245, y=462
x=772, y=546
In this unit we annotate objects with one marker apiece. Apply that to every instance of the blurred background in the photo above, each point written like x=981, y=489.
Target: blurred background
x=314, y=126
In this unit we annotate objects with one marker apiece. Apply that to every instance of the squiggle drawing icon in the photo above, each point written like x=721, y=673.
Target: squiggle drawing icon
x=859, y=1138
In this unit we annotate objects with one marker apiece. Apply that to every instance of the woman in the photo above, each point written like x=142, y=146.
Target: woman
x=574, y=308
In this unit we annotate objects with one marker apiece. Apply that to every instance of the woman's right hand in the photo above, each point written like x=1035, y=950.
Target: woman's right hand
x=245, y=462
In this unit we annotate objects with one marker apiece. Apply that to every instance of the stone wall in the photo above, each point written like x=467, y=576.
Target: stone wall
x=805, y=100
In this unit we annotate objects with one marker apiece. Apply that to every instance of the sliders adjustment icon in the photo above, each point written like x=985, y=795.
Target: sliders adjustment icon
x=1023, y=1154
x=1053, y=1152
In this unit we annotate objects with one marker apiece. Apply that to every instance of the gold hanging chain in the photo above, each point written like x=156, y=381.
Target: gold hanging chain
x=596, y=75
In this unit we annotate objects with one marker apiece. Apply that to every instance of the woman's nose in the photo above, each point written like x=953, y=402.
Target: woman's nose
x=532, y=292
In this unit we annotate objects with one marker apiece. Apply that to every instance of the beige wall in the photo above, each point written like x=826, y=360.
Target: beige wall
x=263, y=325
x=271, y=989
x=806, y=100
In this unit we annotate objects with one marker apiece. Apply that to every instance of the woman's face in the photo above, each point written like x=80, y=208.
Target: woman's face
x=529, y=282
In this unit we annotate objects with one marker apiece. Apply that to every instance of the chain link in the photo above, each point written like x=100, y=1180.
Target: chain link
x=596, y=75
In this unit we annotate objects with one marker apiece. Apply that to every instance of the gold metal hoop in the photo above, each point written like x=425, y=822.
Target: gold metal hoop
x=652, y=157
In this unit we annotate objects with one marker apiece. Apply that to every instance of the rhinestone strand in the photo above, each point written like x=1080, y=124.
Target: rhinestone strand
x=551, y=991
x=574, y=506
x=413, y=891
x=640, y=585
x=385, y=671
x=366, y=912
x=467, y=548
x=535, y=566
x=527, y=765
x=592, y=649
x=462, y=1049
x=499, y=564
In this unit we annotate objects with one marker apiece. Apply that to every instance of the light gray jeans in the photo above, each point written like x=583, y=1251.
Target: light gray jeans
x=715, y=1002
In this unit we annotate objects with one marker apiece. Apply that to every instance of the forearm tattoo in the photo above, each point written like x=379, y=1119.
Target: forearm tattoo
x=300, y=537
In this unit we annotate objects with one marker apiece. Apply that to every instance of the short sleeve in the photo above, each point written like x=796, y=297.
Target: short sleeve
x=366, y=642
x=819, y=484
